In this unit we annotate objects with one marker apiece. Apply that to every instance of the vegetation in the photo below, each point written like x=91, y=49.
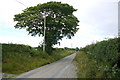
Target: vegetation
x=100, y=60
x=18, y=58
x=60, y=22
x=0, y=59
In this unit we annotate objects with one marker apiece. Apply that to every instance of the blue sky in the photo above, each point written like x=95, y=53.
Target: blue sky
x=98, y=20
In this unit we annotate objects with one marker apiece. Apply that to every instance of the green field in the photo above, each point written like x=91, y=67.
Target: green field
x=100, y=60
x=18, y=58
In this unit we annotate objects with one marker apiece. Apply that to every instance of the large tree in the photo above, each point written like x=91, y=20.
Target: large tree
x=60, y=22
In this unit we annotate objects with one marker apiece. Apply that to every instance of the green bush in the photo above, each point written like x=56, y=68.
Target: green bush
x=106, y=55
x=18, y=58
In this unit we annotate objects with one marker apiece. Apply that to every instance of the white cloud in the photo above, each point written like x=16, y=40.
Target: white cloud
x=27, y=40
x=98, y=19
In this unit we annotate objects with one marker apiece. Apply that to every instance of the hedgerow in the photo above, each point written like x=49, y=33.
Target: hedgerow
x=106, y=57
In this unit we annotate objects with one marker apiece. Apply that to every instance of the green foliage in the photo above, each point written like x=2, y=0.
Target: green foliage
x=19, y=58
x=60, y=22
x=105, y=56
x=0, y=59
x=106, y=51
x=86, y=68
x=77, y=48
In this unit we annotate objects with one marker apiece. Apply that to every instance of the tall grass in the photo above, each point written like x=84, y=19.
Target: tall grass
x=22, y=58
x=0, y=58
x=86, y=68
x=102, y=60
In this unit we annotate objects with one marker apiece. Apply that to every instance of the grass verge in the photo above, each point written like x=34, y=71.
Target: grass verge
x=18, y=59
x=86, y=68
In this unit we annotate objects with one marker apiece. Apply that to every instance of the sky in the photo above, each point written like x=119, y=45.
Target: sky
x=98, y=21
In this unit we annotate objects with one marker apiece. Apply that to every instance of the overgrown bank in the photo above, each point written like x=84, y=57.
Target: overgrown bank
x=100, y=60
x=22, y=58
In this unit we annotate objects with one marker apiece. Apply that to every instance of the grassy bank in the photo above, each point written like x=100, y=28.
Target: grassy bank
x=0, y=58
x=22, y=58
x=100, y=60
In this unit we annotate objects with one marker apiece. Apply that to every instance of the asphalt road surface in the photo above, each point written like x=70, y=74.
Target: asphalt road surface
x=63, y=68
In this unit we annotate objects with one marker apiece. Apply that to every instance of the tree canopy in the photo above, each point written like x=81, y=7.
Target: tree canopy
x=60, y=21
